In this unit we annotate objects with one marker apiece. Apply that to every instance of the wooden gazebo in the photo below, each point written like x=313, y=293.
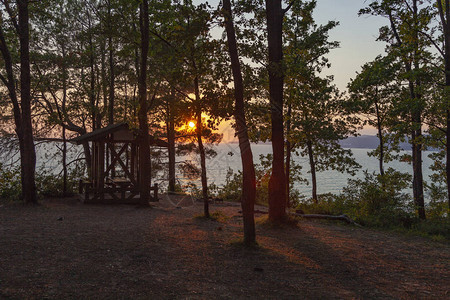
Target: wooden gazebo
x=114, y=172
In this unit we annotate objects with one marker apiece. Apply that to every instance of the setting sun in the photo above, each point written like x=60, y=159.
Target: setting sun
x=191, y=124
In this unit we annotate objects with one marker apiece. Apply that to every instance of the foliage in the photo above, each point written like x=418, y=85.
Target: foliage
x=10, y=184
x=231, y=191
x=51, y=185
x=48, y=184
x=374, y=201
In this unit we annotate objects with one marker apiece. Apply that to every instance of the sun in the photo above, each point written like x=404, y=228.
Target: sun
x=191, y=124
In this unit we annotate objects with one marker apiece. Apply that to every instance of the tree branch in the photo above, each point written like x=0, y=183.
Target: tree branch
x=288, y=7
x=11, y=15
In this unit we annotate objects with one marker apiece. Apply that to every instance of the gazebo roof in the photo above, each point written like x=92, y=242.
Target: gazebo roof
x=120, y=128
x=100, y=133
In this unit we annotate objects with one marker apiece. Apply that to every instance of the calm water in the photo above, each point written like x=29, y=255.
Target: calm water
x=328, y=181
x=228, y=157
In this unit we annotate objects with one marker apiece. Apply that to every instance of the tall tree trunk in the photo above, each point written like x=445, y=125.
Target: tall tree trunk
x=277, y=181
x=288, y=155
x=417, y=127
x=104, y=85
x=380, y=138
x=144, y=145
x=28, y=153
x=248, y=170
x=64, y=160
x=171, y=141
x=417, y=173
x=28, y=160
x=201, y=148
x=92, y=81
x=111, y=70
x=444, y=14
x=312, y=164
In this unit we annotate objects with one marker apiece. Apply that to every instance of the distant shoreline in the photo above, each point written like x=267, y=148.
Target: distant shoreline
x=359, y=142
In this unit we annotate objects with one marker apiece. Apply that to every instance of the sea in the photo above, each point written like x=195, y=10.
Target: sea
x=228, y=158
x=330, y=181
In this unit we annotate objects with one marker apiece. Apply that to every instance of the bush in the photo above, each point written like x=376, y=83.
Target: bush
x=373, y=201
x=379, y=201
x=10, y=184
x=47, y=184
x=232, y=189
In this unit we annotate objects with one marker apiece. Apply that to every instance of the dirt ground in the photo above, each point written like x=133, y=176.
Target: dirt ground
x=66, y=250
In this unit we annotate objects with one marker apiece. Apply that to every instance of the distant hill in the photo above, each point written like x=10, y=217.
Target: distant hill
x=366, y=142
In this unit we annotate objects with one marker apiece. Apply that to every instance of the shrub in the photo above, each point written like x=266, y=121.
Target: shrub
x=10, y=183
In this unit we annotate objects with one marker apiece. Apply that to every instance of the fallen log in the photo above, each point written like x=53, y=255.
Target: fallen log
x=343, y=217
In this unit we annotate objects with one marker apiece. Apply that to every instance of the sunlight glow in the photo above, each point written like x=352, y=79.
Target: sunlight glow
x=191, y=124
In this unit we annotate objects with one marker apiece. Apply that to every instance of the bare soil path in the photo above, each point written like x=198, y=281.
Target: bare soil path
x=67, y=250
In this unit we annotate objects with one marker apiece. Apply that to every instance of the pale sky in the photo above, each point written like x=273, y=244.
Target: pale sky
x=357, y=37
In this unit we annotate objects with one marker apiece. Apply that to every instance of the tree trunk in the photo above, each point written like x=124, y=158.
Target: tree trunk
x=312, y=165
x=28, y=153
x=444, y=14
x=64, y=161
x=144, y=145
x=171, y=141
x=111, y=71
x=417, y=173
x=92, y=83
x=417, y=129
x=248, y=170
x=277, y=181
x=380, y=138
x=201, y=149
x=104, y=85
x=288, y=156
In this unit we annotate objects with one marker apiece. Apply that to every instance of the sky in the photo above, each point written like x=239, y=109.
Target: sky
x=357, y=36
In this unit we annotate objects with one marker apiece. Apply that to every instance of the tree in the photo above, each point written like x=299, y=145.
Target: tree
x=248, y=168
x=444, y=18
x=406, y=20
x=373, y=94
x=144, y=141
x=22, y=108
x=277, y=182
x=316, y=114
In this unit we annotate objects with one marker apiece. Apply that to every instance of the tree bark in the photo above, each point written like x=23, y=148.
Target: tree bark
x=64, y=161
x=380, y=138
x=144, y=145
x=111, y=70
x=277, y=181
x=288, y=156
x=28, y=153
x=444, y=14
x=248, y=170
x=171, y=141
x=92, y=82
x=417, y=129
x=312, y=165
x=201, y=148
